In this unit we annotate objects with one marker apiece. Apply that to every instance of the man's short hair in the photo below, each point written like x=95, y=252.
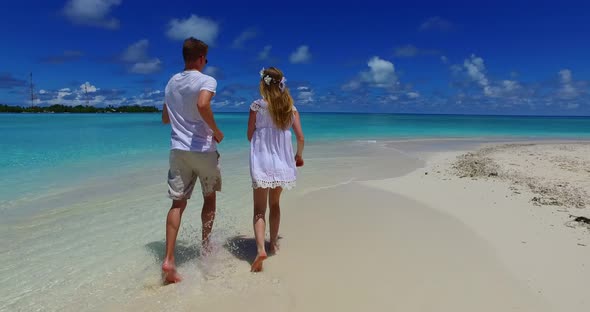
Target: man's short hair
x=192, y=49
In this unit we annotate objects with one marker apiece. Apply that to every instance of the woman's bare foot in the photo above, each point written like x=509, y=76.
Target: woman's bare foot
x=169, y=273
x=257, y=265
x=274, y=249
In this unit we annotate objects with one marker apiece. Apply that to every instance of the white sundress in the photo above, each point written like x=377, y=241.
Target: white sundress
x=272, y=161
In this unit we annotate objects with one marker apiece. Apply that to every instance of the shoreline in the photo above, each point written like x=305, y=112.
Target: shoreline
x=366, y=227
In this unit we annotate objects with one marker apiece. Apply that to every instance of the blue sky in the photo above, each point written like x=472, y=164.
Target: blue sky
x=421, y=57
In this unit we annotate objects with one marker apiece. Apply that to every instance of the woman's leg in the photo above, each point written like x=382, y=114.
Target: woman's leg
x=260, y=200
x=274, y=199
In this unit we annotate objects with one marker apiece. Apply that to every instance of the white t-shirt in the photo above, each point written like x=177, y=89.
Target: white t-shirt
x=189, y=131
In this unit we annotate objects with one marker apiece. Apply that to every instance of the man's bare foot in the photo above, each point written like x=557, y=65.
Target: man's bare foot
x=169, y=273
x=206, y=249
x=274, y=249
x=257, y=265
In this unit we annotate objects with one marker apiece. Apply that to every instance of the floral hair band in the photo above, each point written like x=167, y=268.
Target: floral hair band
x=268, y=79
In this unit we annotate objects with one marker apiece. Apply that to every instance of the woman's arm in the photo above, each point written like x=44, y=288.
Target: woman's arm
x=251, y=124
x=299, y=136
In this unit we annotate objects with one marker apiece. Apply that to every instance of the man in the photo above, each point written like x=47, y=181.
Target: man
x=193, y=150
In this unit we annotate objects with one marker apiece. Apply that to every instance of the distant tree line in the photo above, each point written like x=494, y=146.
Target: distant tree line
x=79, y=109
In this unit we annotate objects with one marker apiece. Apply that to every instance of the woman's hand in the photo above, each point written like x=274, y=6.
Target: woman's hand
x=299, y=161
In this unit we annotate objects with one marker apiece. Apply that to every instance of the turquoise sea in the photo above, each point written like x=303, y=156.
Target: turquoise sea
x=83, y=197
x=40, y=151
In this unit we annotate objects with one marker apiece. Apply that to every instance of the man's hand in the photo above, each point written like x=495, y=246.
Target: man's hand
x=218, y=135
x=204, y=107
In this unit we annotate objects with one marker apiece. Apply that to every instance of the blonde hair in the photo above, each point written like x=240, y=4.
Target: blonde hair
x=280, y=102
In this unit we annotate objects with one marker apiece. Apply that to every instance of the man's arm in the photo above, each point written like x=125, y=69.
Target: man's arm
x=251, y=125
x=204, y=107
x=165, y=116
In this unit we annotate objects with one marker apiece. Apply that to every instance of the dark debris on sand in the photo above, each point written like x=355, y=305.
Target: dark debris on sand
x=481, y=164
x=476, y=165
x=578, y=221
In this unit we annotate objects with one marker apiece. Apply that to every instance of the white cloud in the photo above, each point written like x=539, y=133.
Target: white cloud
x=436, y=23
x=220, y=104
x=381, y=73
x=444, y=59
x=66, y=56
x=136, y=52
x=565, y=76
x=136, y=56
x=567, y=89
x=572, y=105
x=305, y=95
x=456, y=69
x=201, y=28
x=85, y=87
x=510, y=85
x=406, y=51
x=413, y=95
x=214, y=72
x=410, y=50
x=352, y=85
x=476, y=70
x=147, y=67
x=92, y=13
x=146, y=98
x=265, y=53
x=86, y=93
x=63, y=93
x=246, y=35
x=301, y=55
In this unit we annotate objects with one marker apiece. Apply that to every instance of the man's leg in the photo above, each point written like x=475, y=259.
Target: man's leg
x=207, y=218
x=172, y=226
x=209, y=173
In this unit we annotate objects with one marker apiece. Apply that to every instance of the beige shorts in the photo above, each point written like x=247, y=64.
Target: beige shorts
x=186, y=167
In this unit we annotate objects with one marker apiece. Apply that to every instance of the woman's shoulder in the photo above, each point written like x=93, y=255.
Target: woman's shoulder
x=258, y=105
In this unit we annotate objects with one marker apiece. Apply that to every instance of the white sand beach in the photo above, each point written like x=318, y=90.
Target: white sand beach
x=428, y=239
x=415, y=225
x=521, y=204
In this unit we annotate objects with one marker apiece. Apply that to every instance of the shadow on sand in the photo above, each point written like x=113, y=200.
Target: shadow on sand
x=183, y=252
x=244, y=248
